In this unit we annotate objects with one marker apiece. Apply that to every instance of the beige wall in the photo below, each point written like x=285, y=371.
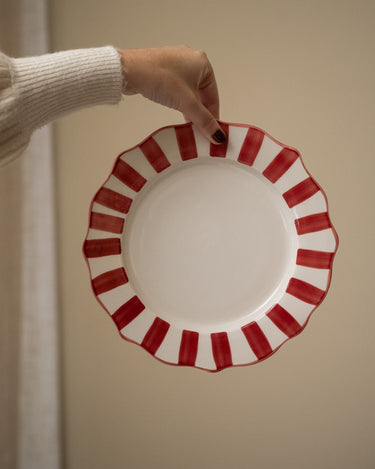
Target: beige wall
x=303, y=71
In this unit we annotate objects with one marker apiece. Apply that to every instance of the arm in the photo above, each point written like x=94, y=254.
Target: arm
x=37, y=90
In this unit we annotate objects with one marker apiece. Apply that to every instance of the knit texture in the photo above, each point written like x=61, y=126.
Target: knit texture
x=37, y=90
x=12, y=139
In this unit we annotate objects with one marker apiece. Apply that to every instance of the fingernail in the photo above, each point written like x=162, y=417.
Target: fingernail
x=219, y=136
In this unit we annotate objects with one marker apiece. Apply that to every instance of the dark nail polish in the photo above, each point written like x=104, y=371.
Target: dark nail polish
x=219, y=136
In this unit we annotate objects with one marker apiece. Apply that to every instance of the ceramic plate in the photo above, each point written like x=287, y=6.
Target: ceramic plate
x=207, y=255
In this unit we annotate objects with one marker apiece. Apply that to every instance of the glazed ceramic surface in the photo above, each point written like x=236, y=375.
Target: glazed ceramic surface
x=210, y=255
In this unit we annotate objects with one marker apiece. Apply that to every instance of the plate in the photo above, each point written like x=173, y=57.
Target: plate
x=210, y=256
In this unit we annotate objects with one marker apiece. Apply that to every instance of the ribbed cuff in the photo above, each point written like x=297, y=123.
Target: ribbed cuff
x=54, y=84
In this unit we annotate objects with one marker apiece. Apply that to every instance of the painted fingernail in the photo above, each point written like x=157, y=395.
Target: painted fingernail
x=219, y=136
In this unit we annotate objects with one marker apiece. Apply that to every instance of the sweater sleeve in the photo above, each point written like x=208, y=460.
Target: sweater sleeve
x=37, y=90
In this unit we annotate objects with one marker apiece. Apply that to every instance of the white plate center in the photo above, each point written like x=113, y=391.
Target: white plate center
x=209, y=244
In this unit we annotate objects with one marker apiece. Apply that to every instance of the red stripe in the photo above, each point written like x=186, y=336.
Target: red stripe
x=109, y=280
x=251, y=146
x=129, y=175
x=221, y=150
x=221, y=350
x=305, y=291
x=284, y=321
x=301, y=192
x=114, y=200
x=127, y=312
x=315, y=259
x=186, y=142
x=154, y=154
x=257, y=340
x=188, y=348
x=280, y=164
x=155, y=335
x=312, y=223
x=103, y=222
x=102, y=247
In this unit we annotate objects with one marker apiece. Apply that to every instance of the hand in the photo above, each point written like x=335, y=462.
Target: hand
x=180, y=78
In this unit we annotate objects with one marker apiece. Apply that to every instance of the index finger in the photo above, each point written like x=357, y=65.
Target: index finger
x=208, y=93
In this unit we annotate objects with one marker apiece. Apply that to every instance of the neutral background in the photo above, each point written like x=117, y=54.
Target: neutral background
x=303, y=71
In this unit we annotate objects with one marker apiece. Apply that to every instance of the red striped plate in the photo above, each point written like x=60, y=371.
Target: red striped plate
x=210, y=256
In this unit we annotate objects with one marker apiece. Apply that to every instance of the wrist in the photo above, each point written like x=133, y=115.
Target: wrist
x=127, y=67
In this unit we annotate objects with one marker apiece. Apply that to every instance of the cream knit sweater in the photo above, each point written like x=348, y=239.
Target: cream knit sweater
x=36, y=90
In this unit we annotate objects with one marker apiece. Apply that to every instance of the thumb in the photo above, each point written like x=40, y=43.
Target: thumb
x=205, y=122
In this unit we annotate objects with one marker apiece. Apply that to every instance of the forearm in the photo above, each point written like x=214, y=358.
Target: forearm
x=37, y=90
x=55, y=84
